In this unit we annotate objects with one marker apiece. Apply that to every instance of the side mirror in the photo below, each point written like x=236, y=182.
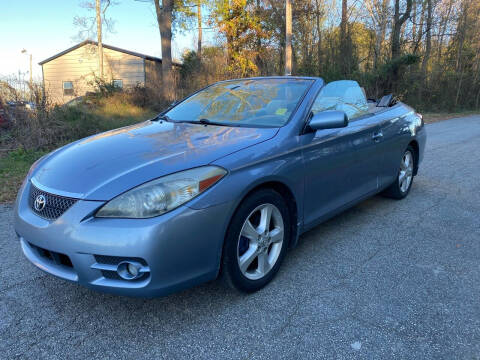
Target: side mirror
x=329, y=119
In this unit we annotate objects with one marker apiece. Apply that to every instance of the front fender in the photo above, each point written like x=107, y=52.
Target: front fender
x=253, y=167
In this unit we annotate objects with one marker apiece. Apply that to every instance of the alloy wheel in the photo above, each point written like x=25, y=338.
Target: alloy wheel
x=260, y=241
x=406, y=171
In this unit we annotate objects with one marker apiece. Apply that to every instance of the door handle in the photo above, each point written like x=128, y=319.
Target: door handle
x=377, y=136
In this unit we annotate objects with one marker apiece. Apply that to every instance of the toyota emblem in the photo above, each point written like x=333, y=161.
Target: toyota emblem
x=40, y=202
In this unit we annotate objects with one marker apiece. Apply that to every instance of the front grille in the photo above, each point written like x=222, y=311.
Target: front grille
x=113, y=275
x=57, y=258
x=115, y=260
x=54, y=207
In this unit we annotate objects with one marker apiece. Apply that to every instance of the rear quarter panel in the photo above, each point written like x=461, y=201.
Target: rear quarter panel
x=400, y=126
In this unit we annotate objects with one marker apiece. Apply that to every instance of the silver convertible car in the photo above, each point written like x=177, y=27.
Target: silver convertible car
x=222, y=183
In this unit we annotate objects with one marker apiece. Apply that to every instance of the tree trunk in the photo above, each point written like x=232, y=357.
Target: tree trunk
x=414, y=19
x=417, y=36
x=461, y=30
x=459, y=87
x=258, y=44
x=319, y=42
x=281, y=57
x=344, y=56
x=443, y=29
x=278, y=16
x=377, y=50
x=428, y=47
x=398, y=21
x=199, y=20
x=378, y=11
x=98, y=11
x=383, y=26
x=164, y=18
x=475, y=82
x=428, y=42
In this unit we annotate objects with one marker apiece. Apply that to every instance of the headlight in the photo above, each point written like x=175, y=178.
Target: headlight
x=162, y=195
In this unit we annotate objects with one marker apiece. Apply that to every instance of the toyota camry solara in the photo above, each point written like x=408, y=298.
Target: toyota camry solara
x=222, y=183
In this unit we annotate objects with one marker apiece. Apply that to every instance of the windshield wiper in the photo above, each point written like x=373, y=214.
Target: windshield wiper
x=164, y=117
x=204, y=121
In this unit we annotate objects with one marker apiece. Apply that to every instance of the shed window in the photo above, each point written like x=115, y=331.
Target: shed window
x=118, y=84
x=67, y=88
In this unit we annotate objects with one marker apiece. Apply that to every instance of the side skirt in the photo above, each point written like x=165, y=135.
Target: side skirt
x=337, y=211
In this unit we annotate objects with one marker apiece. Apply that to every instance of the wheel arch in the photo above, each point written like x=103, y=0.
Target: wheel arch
x=287, y=194
x=416, y=148
x=289, y=198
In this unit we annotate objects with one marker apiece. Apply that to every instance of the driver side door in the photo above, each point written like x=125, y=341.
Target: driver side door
x=341, y=165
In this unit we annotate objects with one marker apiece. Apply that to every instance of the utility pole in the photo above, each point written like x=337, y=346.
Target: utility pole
x=20, y=83
x=31, y=80
x=98, y=10
x=288, y=37
x=199, y=19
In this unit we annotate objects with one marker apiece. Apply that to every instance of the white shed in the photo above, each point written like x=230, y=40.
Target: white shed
x=71, y=73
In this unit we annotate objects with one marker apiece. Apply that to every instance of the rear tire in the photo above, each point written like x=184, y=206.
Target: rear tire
x=256, y=241
x=404, y=180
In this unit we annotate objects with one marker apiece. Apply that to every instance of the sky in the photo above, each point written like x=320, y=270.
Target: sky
x=45, y=27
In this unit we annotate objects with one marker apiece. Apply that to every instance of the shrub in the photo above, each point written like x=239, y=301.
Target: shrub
x=52, y=126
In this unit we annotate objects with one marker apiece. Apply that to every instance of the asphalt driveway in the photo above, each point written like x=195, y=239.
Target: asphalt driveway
x=384, y=279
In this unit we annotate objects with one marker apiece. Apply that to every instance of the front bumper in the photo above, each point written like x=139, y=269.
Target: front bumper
x=180, y=249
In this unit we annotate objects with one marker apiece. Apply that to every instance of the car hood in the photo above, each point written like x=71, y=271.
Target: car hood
x=103, y=166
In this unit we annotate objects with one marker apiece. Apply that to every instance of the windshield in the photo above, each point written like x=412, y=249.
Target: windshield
x=250, y=102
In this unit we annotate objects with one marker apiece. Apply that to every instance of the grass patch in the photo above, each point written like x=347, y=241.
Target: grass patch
x=60, y=126
x=13, y=169
x=86, y=119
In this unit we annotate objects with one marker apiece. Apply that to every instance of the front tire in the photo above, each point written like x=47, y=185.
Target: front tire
x=256, y=241
x=402, y=184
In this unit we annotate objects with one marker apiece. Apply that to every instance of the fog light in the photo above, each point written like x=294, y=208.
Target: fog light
x=132, y=269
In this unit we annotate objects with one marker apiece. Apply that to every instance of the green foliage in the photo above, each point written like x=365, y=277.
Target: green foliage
x=239, y=23
x=103, y=88
x=48, y=128
x=185, y=15
x=395, y=65
x=447, y=78
x=22, y=156
x=13, y=169
x=35, y=133
x=191, y=64
x=198, y=72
